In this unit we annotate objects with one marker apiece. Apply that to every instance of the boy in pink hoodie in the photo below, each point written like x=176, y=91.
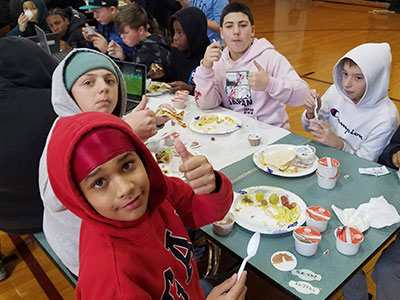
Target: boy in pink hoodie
x=249, y=76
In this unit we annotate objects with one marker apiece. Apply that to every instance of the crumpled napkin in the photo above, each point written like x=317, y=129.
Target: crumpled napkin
x=377, y=213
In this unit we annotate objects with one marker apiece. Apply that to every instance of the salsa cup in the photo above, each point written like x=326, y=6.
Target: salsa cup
x=225, y=226
x=318, y=217
x=306, y=240
x=348, y=240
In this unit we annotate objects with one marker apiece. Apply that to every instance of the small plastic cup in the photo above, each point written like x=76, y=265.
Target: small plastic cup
x=170, y=138
x=254, y=139
x=90, y=30
x=28, y=14
x=328, y=167
x=225, y=226
x=153, y=146
x=318, y=217
x=327, y=183
x=178, y=102
x=306, y=240
x=182, y=94
x=348, y=241
x=306, y=154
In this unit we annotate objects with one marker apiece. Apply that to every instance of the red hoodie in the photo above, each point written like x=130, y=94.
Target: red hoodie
x=149, y=258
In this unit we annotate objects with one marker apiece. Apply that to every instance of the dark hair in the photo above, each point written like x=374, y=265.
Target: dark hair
x=59, y=11
x=236, y=7
x=132, y=15
x=349, y=61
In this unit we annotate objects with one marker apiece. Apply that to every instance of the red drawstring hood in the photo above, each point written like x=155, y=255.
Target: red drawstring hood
x=67, y=134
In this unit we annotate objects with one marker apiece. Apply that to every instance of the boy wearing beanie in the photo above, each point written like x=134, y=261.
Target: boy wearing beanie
x=85, y=80
x=134, y=243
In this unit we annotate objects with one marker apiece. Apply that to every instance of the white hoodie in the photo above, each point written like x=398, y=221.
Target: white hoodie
x=226, y=83
x=365, y=127
x=60, y=226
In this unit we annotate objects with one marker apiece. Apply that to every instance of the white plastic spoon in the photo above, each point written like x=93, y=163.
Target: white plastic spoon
x=316, y=104
x=251, y=251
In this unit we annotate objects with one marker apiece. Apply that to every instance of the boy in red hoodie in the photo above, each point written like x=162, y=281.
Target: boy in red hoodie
x=133, y=240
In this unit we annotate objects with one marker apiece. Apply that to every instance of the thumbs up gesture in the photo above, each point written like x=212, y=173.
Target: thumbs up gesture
x=142, y=120
x=259, y=80
x=197, y=170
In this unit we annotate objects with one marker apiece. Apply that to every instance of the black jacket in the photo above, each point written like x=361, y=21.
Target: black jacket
x=73, y=36
x=194, y=24
x=390, y=150
x=26, y=116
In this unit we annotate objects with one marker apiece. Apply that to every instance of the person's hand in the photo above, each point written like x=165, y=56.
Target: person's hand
x=99, y=42
x=64, y=46
x=324, y=135
x=179, y=85
x=164, y=119
x=396, y=159
x=196, y=169
x=259, y=80
x=229, y=289
x=22, y=22
x=115, y=50
x=213, y=54
x=142, y=120
x=309, y=103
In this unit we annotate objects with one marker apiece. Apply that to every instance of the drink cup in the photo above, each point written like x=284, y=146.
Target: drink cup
x=327, y=183
x=328, y=167
x=348, y=240
x=318, y=217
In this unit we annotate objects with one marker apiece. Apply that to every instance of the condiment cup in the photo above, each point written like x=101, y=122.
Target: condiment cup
x=306, y=154
x=318, y=217
x=28, y=14
x=153, y=146
x=183, y=94
x=178, y=102
x=225, y=226
x=328, y=167
x=348, y=240
x=90, y=30
x=254, y=139
x=306, y=240
x=327, y=183
x=170, y=138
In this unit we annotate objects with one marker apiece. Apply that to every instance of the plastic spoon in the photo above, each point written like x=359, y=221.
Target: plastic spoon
x=316, y=104
x=251, y=251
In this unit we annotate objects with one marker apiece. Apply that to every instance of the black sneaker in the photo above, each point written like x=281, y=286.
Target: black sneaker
x=3, y=271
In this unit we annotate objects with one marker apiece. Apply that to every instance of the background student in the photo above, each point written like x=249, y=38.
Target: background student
x=360, y=115
x=147, y=49
x=34, y=13
x=188, y=28
x=68, y=22
x=105, y=12
x=249, y=76
x=134, y=243
x=212, y=9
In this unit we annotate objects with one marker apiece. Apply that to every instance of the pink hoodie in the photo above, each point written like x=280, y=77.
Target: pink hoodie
x=285, y=86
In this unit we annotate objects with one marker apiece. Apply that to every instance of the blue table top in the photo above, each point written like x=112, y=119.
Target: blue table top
x=334, y=268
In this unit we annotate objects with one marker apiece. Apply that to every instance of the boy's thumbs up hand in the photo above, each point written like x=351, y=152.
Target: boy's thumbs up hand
x=197, y=170
x=142, y=105
x=259, y=80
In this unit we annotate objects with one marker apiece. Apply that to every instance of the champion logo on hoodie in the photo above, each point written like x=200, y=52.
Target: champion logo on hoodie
x=335, y=113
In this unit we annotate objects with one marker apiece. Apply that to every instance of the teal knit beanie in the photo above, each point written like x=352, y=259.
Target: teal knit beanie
x=82, y=62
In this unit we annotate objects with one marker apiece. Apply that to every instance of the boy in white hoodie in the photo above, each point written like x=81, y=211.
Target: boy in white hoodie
x=360, y=114
x=249, y=75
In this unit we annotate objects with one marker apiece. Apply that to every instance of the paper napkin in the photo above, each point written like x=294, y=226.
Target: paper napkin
x=377, y=213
